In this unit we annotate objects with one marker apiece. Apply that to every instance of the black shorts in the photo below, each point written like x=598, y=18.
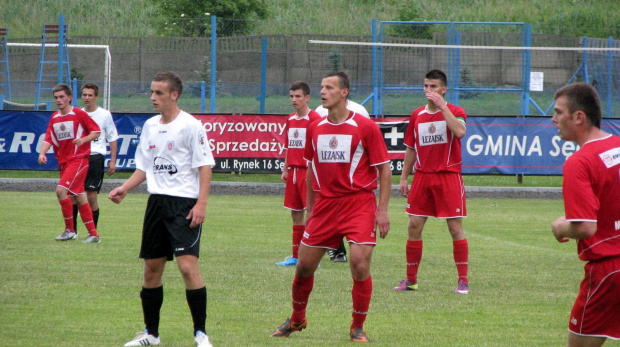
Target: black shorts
x=166, y=230
x=94, y=177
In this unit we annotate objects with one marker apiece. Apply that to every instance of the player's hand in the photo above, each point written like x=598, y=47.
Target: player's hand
x=42, y=159
x=197, y=216
x=403, y=187
x=117, y=195
x=382, y=221
x=556, y=228
x=436, y=99
x=79, y=142
x=111, y=168
x=284, y=176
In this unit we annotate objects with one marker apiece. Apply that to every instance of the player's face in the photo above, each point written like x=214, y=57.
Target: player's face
x=161, y=96
x=89, y=97
x=63, y=101
x=298, y=99
x=434, y=86
x=563, y=119
x=331, y=92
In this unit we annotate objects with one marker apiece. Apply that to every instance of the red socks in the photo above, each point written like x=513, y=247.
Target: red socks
x=87, y=218
x=461, y=256
x=298, y=233
x=414, y=256
x=66, y=206
x=302, y=286
x=361, y=294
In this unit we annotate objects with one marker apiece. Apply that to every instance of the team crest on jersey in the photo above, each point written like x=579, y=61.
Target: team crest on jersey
x=202, y=141
x=432, y=128
x=170, y=145
x=63, y=127
x=296, y=134
x=333, y=143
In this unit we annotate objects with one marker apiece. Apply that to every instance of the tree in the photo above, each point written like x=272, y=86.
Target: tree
x=193, y=17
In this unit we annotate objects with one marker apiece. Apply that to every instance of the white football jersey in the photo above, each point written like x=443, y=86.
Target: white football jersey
x=104, y=120
x=171, y=155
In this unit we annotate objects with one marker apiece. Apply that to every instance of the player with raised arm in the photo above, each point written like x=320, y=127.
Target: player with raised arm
x=346, y=156
x=433, y=141
x=591, y=189
x=174, y=158
x=295, y=166
x=69, y=133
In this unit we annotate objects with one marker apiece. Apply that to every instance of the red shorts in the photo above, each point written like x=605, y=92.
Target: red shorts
x=295, y=192
x=440, y=195
x=352, y=216
x=73, y=174
x=597, y=309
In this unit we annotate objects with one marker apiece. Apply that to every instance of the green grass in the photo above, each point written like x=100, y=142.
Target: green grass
x=523, y=283
x=470, y=180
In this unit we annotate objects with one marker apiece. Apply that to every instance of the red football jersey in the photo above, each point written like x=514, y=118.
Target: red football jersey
x=436, y=147
x=63, y=129
x=343, y=155
x=295, y=137
x=591, y=190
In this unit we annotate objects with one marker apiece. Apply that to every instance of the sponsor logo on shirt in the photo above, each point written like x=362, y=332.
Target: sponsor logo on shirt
x=170, y=145
x=201, y=140
x=64, y=131
x=433, y=133
x=297, y=138
x=334, y=148
x=611, y=158
x=163, y=165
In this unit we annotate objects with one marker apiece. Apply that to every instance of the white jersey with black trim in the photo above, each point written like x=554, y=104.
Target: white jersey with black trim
x=171, y=155
x=351, y=106
x=104, y=120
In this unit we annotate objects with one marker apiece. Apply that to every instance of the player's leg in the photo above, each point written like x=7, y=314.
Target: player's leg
x=91, y=196
x=195, y=291
x=295, y=200
x=298, y=231
x=152, y=298
x=413, y=252
x=361, y=293
x=575, y=340
x=460, y=250
x=87, y=217
x=93, y=182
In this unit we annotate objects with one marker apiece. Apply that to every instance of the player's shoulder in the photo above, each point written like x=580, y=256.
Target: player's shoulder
x=79, y=111
x=314, y=115
x=458, y=111
x=418, y=110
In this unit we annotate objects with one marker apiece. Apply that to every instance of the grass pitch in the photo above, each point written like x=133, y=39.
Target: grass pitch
x=523, y=283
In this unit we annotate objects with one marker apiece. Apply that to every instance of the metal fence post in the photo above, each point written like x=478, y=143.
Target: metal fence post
x=263, y=75
x=213, y=61
x=203, y=89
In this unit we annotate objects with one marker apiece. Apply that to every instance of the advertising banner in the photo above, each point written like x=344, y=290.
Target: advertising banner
x=255, y=143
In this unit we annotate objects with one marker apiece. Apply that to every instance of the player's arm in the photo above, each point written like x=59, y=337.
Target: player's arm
x=456, y=125
x=44, y=148
x=118, y=194
x=112, y=164
x=385, y=186
x=410, y=157
x=199, y=211
x=310, y=193
x=564, y=230
x=284, y=176
x=93, y=135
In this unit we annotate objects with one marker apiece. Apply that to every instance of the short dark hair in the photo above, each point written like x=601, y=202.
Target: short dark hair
x=62, y=87
x=91, y=86
x=582, y=97
x=343, y=78
x=437, y=74
x=305, y=88
x=174, y=81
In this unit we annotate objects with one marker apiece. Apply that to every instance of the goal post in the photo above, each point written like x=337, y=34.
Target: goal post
x=107, y=74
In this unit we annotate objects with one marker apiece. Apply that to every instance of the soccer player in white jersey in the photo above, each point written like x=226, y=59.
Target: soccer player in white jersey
x=295, y=167
x=339, y=255
x=433, y=141
x=591, y=189
x=174, y=158
x=346, y=156
x=98, y=150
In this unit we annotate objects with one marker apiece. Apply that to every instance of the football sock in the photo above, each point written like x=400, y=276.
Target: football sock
x=461, y=255
x=75, y=215
x=302, y=286
x=414, y=256
x=361, y=294
x=87, y=218
x=96, y=217
x=66, y=206
x=152, y=299
x=197, y=301
x=298, y=233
